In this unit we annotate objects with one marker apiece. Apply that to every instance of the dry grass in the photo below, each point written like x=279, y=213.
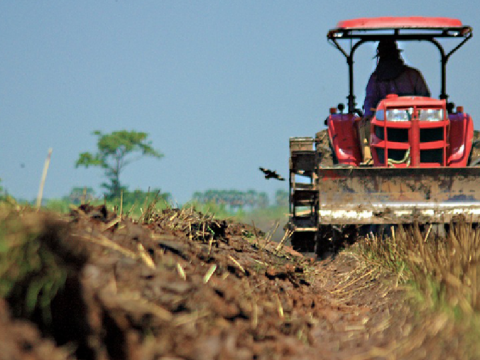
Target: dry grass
x=442, y=275
x=444, y=270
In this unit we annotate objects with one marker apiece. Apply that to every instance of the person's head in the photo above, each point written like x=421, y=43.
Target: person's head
x=388, y=49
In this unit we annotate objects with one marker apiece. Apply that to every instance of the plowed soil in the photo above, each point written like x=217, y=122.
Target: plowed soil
x=185, y=286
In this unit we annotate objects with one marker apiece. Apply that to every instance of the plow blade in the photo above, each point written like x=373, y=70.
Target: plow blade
x=397, y=195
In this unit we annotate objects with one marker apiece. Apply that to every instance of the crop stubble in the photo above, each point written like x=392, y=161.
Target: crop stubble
x=186, y=286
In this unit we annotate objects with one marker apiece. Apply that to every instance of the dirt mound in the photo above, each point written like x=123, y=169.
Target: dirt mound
x=183, y=285
x=324, y=151
x=475, y=154
x=21, y=340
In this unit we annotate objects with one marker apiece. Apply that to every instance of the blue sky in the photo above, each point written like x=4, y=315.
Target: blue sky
x=220, y=86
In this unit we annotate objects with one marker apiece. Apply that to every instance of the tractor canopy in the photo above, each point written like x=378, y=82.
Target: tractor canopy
x=444, y=27
x=413, y=28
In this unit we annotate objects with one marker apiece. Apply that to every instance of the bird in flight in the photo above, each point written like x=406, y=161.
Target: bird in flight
x=271, y=174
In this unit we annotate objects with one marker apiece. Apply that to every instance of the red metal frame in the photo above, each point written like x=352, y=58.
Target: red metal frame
x=412, y=22
x=461, y=137
x=401, y=29
x=344, y=138
x=455, y=131
x=414, y=127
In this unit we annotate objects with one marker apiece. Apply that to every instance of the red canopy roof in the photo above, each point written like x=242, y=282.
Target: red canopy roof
x=413, y=22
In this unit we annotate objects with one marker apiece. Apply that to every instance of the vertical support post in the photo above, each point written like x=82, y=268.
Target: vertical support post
x=351, y=96
x=443, y=92
x=415, y=140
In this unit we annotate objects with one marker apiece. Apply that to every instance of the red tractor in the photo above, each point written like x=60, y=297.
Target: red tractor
x=421, y=168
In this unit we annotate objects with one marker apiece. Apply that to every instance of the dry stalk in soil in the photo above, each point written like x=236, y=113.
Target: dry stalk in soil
x=44, y=177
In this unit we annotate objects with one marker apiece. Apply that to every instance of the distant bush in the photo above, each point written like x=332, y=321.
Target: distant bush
x=233, y=200
x=3, y=195
x=58, y=205
x=132, y=203
x=219, y=211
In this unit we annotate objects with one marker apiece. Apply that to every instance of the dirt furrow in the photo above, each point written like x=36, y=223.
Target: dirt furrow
x=186, y=286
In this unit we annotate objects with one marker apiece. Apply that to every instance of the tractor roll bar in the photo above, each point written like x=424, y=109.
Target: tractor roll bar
x=334, y=35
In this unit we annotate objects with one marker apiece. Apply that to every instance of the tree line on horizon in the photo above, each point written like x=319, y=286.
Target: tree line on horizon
x=236, y=199
x=118, y=149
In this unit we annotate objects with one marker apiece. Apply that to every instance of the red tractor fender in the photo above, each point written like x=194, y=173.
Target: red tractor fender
x=343, y=134
x=461, y=136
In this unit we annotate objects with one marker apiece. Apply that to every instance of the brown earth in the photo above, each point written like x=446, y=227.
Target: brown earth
x=325, y=154
x=475, y=155
x=185, y=286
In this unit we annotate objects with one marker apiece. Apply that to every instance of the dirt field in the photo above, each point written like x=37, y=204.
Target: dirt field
x=184, y=286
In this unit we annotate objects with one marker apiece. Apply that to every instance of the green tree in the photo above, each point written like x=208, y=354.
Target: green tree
x=251, y=198
x=115, y=151
x=281, y=198
x=2, y=193
x=199, y=197
x=263, y=200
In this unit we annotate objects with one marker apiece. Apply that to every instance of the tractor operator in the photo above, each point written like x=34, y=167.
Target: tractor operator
x=391, y=76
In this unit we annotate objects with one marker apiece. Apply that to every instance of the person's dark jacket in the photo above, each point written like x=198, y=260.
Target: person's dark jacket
x=392, y=76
